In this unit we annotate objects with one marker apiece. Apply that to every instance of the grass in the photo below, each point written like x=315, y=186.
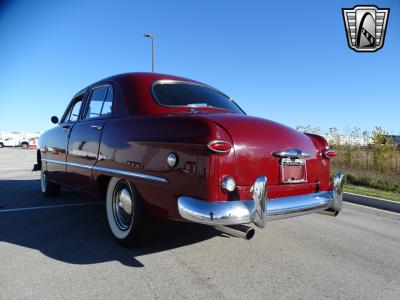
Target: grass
x=367, y=191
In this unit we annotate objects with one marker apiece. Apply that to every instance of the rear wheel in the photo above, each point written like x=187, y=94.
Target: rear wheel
x=24, y=145
x=1, y=145
x=49, y=189
x=126, y=216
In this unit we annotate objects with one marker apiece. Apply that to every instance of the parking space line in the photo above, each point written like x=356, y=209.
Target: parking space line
x=49, y=206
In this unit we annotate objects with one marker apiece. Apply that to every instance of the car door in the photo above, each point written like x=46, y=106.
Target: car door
x=84, y=140
x=57, y=141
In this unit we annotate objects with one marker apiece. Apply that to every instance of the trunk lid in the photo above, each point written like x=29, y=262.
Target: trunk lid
x=256, y=139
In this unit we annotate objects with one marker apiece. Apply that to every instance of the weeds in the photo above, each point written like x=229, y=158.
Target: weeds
x=369, y=160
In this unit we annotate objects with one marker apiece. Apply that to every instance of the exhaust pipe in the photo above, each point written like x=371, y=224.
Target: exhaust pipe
x=240, y=231
x=330, y=212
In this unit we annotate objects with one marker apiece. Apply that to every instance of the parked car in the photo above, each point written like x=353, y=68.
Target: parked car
x=161, y=146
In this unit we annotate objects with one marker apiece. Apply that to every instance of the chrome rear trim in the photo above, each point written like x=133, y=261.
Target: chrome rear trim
x=108, y=170
x=259, y=209
x=292, y=153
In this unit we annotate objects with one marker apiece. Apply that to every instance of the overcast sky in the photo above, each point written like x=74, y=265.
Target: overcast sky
x=286, y=61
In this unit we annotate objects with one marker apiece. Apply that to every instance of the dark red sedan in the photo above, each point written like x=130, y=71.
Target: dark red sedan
x=161, y=146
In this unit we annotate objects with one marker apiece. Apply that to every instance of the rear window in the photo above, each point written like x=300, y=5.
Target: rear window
x=192, y=95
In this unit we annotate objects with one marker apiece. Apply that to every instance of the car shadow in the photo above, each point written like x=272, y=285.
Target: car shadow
x=80, y=234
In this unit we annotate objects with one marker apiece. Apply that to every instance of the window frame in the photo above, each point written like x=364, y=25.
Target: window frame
x=87, y=103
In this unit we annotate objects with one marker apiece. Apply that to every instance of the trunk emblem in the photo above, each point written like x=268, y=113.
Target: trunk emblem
x=291, y=153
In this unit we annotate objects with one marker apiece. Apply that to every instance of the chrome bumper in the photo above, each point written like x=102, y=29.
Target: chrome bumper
x=260, y=209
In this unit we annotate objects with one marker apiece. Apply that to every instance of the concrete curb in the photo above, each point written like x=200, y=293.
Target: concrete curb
x=378, y=203
x=370, y=210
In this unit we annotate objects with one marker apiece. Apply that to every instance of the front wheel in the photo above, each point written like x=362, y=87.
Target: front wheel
x=49, y=189
x=24, y=145
x=125, y=214
x=1, y=145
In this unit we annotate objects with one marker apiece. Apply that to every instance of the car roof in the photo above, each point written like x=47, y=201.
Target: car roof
x=134, y=91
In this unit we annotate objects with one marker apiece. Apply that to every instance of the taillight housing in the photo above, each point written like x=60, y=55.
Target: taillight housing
x=329, y=154
x=219, y=146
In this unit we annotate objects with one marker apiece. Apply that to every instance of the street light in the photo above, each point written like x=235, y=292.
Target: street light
x=152, y=49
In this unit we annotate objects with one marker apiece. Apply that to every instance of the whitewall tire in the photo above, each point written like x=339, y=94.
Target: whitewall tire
x=49, y=189
x=125, y=213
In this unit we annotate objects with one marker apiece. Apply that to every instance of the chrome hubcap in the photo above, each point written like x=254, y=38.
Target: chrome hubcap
x=122, y=205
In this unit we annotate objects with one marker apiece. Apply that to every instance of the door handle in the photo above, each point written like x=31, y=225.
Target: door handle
x=66, y=127
x=98, y=127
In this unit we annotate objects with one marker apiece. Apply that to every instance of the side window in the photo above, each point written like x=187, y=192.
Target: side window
x=107, y=106
x=100, y=102
x=74, y=113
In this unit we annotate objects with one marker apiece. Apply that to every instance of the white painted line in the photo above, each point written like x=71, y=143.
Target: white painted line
x=373, y=208
x=387, y=200
x=49, y=206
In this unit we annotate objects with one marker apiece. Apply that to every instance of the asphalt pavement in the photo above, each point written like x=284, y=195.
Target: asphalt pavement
x=61, y=248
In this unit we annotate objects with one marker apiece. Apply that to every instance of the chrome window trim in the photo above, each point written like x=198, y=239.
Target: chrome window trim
x=172, y=81
x=109, y=170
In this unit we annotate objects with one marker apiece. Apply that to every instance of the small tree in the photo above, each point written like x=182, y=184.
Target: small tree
x=382, y=148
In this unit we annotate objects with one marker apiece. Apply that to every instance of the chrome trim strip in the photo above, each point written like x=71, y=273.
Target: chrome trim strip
x=258, y=210
x=59, y=162
x=109, y=170
x=78, y=165
x=131, y=174
x=292, y=153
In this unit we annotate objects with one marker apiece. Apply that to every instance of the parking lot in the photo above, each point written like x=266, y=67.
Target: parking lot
x=61, y=248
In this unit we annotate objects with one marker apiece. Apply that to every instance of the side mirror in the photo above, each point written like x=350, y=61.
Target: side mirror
x=54, y=120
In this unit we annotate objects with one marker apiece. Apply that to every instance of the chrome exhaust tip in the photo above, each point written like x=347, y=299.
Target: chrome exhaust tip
x=330, y=212
x=240, y=231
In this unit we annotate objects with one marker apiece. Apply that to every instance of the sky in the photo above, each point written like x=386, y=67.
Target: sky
x=286, y=61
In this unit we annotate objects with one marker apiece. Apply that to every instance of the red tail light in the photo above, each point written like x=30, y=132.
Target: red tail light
x=219, y=146
x=330, y=154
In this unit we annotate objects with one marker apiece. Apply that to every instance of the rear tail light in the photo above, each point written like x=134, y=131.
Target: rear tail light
x=219, y=146
x=330, y=154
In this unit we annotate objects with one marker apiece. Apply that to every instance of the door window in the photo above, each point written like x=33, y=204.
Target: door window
x=107, y=106
x=72, y=113
x=100, y=102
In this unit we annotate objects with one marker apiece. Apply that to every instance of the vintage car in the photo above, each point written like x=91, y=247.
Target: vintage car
x=161, y=146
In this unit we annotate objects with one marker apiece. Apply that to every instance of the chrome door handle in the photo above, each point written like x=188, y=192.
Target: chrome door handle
x=98, y=127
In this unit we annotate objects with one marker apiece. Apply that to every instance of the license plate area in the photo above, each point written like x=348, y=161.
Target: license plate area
x=293, y=170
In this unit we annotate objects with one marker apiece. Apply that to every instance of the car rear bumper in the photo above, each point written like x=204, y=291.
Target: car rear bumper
x=259, y=209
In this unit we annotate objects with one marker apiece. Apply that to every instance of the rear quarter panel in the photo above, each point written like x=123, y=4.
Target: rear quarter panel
x=142, y=144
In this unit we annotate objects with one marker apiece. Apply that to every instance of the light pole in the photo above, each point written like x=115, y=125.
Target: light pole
x=152, y=49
